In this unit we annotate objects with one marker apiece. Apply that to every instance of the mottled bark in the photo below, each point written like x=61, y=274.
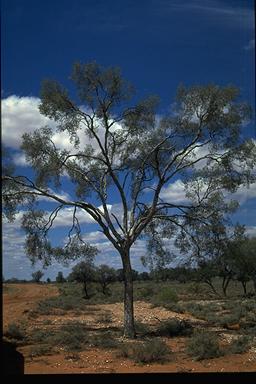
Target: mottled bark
x=129, y=327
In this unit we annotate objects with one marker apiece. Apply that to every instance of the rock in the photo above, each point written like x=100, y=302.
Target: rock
x=234, y=327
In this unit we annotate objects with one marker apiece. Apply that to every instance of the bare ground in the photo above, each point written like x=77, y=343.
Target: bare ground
x=23, y=297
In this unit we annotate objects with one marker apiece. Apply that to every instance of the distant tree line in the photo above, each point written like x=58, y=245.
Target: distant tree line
x=237, y=262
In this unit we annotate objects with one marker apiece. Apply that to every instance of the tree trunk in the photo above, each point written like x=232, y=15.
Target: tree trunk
x=129, y=327
x=226, y=284
x=85, y=291
x=254, y=283
x=244, y=284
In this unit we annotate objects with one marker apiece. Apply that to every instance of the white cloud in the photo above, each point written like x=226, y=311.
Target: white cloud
x=233, y=16
x=174, y=193
x=243, y=194
x=20, y=115
x=251, y=231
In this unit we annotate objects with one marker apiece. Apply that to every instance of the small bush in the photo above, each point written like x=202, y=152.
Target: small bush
x=72, y=336
x=145, y=292
x=203, y=345
x=148, y=352
x=240, y=345
x=15, y=332
x=39, y=350
x=41, y=335
x=165, y=296
x=105, y=318
x=174, y=327
x=141, y=328
x=174, y=307
x=104, y=340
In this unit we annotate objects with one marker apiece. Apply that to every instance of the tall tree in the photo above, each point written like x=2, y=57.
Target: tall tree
x=37, y=276
x=83, y=272
x=131, y=152
x=60, y=278
x=104, y=276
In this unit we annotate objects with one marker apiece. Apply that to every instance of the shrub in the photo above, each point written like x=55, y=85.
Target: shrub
x=71, y=336
x=147, y=352
x=105, y=317
x=41, y=335
x=174, y=327
x=240, y=345
x=141, y=328
x=105, y=340
x=166, y=295
x=174, y=307
x=145, y=292
x=203, y=345
x=15, y=332
x=39, y=350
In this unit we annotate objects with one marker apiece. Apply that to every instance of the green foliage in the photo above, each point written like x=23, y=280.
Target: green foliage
x=203, y=345
x=72, y=336
x=40, y=350
x=174, y=327
x=240, y=345
x=165, y=296
x=15, y=331
x=60, y=278
x=150, y=351
x=104, y=340
x=104, y=276
x=37, y=276
x=41, y=335
x=142, y=329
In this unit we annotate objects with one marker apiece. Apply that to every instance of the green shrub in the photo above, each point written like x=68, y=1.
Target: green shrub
x=104, y=340
x=203, y=345
x=174, y=307
x=174, y=327
x=39, y=350
x=41, y=335
x=72, y=336
x=165, y=296
x=141, y=328
x=15, y=332
x=240, y=345
x=147, y=352
x=145, y=292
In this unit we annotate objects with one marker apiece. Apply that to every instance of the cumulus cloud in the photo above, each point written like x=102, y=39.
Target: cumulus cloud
x=21, y=115
x=243, y=194
x=174, y=193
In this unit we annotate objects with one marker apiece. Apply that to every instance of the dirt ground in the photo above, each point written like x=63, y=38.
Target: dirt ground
x=23, y=297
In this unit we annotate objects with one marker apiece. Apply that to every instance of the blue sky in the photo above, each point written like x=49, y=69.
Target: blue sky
x=158, y=44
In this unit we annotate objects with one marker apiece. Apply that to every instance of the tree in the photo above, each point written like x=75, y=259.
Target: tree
x=144, y=276
x=48, y=280
x=105, y=275
x=241, y=253
x=37, y=276
x=60, y=278
x=83, y=272
x=126, y=150
x=248, y=250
